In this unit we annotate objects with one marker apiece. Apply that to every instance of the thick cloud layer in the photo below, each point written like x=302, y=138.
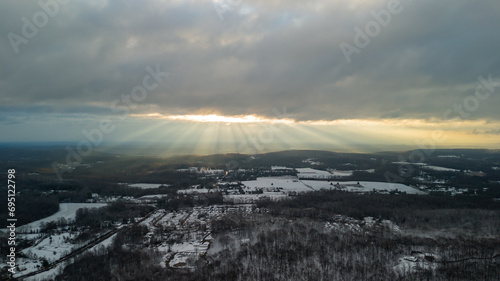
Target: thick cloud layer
x=250, y=56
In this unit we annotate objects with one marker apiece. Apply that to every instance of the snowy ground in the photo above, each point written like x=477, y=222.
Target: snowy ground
x=66, y=211
x=107, y=242
x=47, y=275
x=50, y=248
x=416, y=262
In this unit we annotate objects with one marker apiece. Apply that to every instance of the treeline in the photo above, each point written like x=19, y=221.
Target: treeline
x=118, y=211
x=474, y=213
x=377, y=205
x=30, y=207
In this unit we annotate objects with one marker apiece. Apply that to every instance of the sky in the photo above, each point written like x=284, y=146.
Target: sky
x=251, y=76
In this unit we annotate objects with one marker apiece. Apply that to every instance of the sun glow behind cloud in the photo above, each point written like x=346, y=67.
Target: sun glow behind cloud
x=212, y=133
x=214, y=118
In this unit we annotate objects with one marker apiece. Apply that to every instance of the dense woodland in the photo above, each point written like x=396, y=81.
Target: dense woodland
x=471, y=214
x=292, y=240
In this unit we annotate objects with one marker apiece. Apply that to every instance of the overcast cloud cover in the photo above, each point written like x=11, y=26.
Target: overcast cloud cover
x=263, y=54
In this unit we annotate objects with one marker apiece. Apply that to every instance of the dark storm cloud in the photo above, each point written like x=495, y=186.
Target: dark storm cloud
x=262, y=55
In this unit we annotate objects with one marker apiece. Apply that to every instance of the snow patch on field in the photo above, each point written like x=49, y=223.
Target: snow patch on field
x=448, y=156
x=416, y=262
x=440, y=169
x=146, y=185
x=153, y=196
x=428, y=167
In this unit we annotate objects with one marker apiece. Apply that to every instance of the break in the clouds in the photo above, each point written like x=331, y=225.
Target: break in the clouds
x=259, y=55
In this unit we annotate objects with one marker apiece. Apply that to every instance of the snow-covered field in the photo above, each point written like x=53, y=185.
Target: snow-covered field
x=428, y=167
x=363, y=186
x=440, y=169
x=153, y=196
x=277, y=188
x=313, y=173
x=340, y=174
x=287, y=184
x=51, y=248
x=66, y=211
x=274, y=168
